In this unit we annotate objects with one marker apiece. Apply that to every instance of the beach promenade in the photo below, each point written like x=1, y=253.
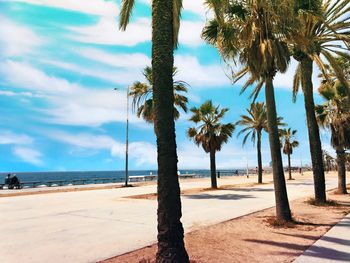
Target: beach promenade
x=87, y=226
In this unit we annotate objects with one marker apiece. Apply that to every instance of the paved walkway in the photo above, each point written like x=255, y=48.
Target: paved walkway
x=87, y=226
x=334, y=246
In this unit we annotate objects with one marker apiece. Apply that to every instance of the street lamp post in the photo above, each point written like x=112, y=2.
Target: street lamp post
x=127, y=140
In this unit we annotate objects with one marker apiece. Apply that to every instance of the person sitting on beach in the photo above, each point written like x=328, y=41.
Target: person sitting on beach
x=8, y=179
x=14, y=182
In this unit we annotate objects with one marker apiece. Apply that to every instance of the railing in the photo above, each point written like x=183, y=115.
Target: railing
x=52, y=183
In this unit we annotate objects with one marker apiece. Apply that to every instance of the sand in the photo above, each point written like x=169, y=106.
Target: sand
x=252, y=238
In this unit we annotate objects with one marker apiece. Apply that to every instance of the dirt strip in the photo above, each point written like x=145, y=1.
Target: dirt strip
x=252, y=238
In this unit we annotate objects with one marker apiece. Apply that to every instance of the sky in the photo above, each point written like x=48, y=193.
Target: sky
x=60, y=61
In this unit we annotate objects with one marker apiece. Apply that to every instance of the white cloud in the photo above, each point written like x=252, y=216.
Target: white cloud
x=83, y=140
x=69, y=103
x=93, y=7
x=122, y=76
x=191, y=71
x=136, y=60
x=231, y=156
x=106, y=32
x=8, y=137
x=285, y=80
x=193, y=6
x=16, y=39
x=33, y=79
x=196, y=7
x=28, y=155
x=190, y=33
x=141, y=153
x=144, y=153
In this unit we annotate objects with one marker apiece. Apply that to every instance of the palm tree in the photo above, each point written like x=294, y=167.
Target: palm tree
x=322, y=26
x=334, y=115
x=252, y=30
x=210, y=133
x=288, y=144
x=348, y=161
x=143, y=97
x=165, y=28
x=328, y=161
x=254, y=123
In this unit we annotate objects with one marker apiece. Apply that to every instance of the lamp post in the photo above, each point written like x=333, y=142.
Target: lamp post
x=126, y=184
x=127, y=141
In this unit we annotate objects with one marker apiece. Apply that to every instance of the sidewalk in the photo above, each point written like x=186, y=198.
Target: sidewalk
x=88, y=226
x=334, y=246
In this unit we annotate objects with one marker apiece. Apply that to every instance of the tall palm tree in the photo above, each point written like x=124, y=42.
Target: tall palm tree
x=288, y=144
x=319, y=28
x=254, y=123
x=328, y=161
x=143, y=96
x=165, y=28
x=348, y=161
x=252, y=31
x=334, y=115
x=210, y=133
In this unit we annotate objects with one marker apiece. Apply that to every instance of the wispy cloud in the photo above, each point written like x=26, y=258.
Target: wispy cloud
x=198, y=75
x=106, y=32
x=196, y=7
x=28, y=155
x=141, y=152
x=120, y=60
x=121, y=76
x=93, y=7
x=68, y=103
x=9, y=137
x=16, y=39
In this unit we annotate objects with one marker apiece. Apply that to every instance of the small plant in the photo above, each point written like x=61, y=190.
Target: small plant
x=314, y=202
x=274, y=222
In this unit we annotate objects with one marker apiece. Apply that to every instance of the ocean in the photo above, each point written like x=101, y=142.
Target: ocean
x=108, y=176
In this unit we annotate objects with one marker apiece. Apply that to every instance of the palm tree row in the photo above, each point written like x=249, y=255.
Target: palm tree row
x=262, y=35
x=334, y=115
x=248, y=31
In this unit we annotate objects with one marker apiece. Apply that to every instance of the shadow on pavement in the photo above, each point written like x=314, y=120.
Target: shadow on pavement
x=313, y=251
x=219, y=197
x=325, y=238
x=250, y=189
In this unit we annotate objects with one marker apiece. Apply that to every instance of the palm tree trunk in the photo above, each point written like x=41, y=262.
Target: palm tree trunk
x=214, y=184
x=259, y=158
x=289, y=168
x=282, y=204
x=171, y=246
x=341, y=171
x=314, y=134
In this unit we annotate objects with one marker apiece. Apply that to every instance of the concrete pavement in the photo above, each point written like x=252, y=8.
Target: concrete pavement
x=93, y=225
x=334, y=246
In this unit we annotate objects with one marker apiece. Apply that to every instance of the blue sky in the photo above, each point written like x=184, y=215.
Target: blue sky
x=61, y=60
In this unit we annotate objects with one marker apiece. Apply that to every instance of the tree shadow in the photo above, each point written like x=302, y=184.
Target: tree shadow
x=325, y=238
x=219, y=197
x=254, y=189
x=305, y=183
x=327, y=253
x=313, y=251
x=344, y=222
x=279, y=244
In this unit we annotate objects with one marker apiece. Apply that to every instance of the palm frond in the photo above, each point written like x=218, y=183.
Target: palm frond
x=125, y=13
